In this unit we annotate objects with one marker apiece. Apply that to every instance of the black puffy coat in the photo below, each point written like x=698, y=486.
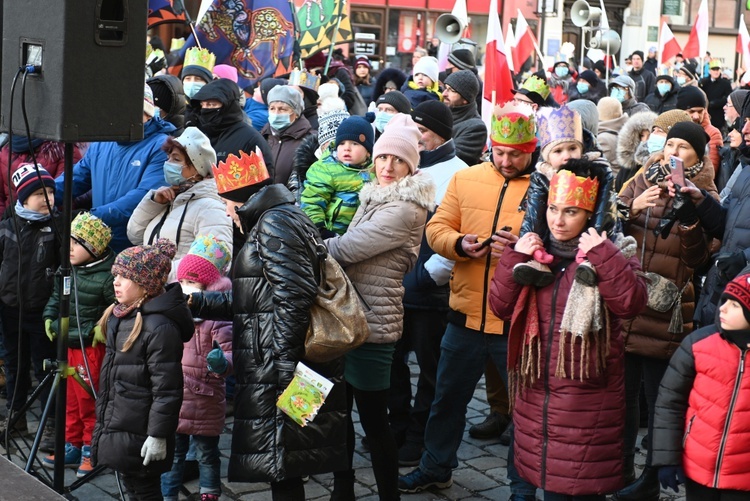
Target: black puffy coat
x=605, y=216
x=140, y=390
x=40, y=257
x=93, y=293
x=174, y=109
x=717, y=91
x=231, y=134
x=661, y=103
x=272, y=292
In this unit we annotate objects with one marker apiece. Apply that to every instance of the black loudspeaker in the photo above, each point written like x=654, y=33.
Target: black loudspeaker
x=90, y=56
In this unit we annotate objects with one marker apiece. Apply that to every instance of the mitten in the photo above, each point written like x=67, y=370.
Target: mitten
x=729, y=265
x=217, y=362
x=98, y=337
x=154, y=449
x=48, y=329
x=672, y=477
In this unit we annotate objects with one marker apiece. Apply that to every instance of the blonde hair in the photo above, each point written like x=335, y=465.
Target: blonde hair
x=134, y=332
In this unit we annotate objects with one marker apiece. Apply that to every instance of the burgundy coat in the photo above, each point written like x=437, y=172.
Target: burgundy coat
x=568, y=433
x=204, y=396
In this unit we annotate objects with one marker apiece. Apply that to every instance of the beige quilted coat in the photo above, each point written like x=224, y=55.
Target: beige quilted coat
x=381, y=246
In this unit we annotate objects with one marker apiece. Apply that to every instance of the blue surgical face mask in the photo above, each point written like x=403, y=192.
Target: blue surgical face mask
x=663, y=88
x=582, y=87
x=681, y=80
x=279, y=121
x=173, y=173
x=562, y=71
x=656, y=143
x=192, y=88
x=618, y=94
x=381, y=120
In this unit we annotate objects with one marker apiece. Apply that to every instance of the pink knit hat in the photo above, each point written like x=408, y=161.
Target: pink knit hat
x=206, y=261
x=226, y=71
x=400, y=138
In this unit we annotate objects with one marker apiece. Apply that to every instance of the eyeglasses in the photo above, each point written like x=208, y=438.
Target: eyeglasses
x=517, y=100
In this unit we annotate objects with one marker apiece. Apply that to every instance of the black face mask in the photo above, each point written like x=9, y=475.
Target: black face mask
x=209, y=120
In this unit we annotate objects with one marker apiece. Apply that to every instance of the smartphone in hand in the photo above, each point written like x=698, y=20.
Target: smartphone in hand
x=677, y=167
x=489, y=240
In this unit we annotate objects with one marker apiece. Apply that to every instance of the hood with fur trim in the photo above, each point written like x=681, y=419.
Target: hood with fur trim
x=630, y=137
x=418, y=188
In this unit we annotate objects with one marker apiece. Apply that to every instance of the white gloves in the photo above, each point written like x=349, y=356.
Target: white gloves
x=154, y=449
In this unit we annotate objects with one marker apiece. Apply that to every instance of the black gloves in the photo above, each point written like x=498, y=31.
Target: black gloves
x=683, y=210
x=730, y=265
x=672, y=477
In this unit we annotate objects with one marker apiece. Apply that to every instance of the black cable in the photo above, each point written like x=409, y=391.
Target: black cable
x=18, y=243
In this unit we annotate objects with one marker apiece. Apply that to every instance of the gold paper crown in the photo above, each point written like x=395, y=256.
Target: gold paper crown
x=567, y=189
x=559, y=125
x=536, y=84
x=176, y=44
x=200, y=57
x=235, y=173
x=514, y=125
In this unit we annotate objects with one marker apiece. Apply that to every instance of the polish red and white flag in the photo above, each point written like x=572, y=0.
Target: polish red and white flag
x=668, y=46
x=697, y=44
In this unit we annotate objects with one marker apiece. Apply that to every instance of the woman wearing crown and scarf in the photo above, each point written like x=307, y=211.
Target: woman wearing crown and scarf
x=565, y=349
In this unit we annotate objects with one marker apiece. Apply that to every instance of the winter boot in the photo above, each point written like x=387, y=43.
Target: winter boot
x=646, y=488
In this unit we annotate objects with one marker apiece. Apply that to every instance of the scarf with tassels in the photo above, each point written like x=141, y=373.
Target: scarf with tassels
x=585, y=325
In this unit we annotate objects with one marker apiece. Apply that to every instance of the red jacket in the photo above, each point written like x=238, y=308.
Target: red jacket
x=50, y=154
x=702, y=417
x=568, y=433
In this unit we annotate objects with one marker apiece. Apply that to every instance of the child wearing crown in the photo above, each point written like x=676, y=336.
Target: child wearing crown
x=561, y=140
x=91, y=261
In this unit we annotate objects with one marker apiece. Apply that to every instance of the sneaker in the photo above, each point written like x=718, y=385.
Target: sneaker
x=418, y=480
x=47, y=443
x=410, y=454
x=72, y=457
x=533, y=273
x=86, y=467
x=209, y=497
x=20, y=427
x=492, y=427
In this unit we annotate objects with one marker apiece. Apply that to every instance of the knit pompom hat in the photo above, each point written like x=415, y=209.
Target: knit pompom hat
x=668, y=119
x=91, y=232
x=328, y=125
x=401, y=139
x=147, y=265
x=427, y=65
x=693, y=134
x=739, y=290
x=26, y=180
x=609, y=109
x=206, y=262
x=356, y=129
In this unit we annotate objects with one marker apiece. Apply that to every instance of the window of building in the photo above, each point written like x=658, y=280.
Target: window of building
x=721, y=13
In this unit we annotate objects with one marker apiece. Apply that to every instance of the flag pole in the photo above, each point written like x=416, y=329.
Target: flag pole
x=191, y=23
x=333, y=39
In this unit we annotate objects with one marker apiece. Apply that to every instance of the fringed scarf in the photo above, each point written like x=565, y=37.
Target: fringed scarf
x=123, y=310
x=585, y=323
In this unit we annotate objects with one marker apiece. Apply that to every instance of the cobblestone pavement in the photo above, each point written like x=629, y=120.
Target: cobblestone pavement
x=481, y=473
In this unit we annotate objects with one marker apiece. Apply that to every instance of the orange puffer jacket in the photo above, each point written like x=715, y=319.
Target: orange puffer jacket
x=479, y=201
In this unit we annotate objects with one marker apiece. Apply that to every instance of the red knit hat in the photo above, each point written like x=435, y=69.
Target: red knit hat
x=205, y=262
x=739, y=290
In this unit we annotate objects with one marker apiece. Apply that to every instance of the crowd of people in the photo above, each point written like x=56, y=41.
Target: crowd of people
x=589, y=247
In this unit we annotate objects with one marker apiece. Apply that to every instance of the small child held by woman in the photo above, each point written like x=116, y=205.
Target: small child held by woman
x=206, y=361
x=141, y=381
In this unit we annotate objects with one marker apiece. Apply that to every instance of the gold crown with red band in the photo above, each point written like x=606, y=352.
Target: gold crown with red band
x=567, y=189
x=235, y=173
x=514, y=125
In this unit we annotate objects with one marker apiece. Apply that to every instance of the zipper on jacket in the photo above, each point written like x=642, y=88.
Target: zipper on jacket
x=687, y=431
x=730, y=411
x=488, y=264
x=256, y=341
x=550, y=335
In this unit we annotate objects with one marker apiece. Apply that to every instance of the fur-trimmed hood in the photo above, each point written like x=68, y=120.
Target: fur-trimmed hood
x=418, y=188
x=630, y=137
